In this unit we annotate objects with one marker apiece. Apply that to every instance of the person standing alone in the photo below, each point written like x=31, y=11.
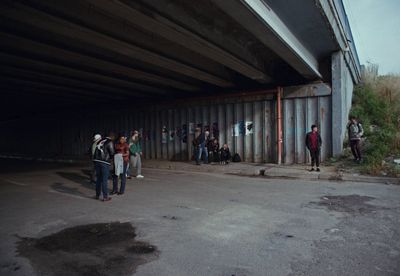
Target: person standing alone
x=313, y=144
x=355, y=131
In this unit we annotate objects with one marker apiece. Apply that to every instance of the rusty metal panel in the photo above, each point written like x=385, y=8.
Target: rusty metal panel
x=184, y=128
x=177, y=142
x=222, y=124
x=190, y=136
x=164, y=126
x=151, y=132
x=229, y=125
x=213, y=120
x=146, y=139
x=258, y=132
x=239, y=120
x=325, y=126
x=157, y=130
x=300, y=130
x=299, y=113
x=170, y=126
x=248, y=132
x=288, y=131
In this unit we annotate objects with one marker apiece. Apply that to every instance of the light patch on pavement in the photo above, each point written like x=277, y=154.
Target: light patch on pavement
x=65, y=194
x=237, y=222
x=15, y=182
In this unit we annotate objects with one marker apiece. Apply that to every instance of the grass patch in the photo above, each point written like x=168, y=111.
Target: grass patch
x=376, y=102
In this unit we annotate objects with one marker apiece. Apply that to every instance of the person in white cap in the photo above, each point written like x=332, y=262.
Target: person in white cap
x=96, y=139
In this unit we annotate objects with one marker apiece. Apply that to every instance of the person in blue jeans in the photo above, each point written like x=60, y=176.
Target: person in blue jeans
x=121, y=160
x=103, y=155
x=202, y=141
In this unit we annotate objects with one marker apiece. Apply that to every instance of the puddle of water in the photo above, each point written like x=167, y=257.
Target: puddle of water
x=94, y=249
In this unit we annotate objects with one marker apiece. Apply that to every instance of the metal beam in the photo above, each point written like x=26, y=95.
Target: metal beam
x=91, y=88
x=132, y=89
x=70, y=31
x=32, y=47
x=32, y=94
x=171, y=31
x=260, y=20
x=17, y=82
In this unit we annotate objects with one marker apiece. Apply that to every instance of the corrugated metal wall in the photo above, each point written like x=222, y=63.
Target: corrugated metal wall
x=167, y=130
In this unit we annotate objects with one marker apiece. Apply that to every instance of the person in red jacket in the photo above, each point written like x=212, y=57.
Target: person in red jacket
x=313, y=144
x=121, y=160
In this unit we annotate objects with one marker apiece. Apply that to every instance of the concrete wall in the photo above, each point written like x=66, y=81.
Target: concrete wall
x=342, y=93
x=70, y=136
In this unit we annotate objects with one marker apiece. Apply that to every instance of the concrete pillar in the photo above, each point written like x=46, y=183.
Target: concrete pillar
x=342, y=92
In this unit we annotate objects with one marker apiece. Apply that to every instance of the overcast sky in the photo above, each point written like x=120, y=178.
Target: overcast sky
x=375, y=26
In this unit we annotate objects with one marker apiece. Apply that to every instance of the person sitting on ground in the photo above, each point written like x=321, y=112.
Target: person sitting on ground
x=136, y=154
x=121, y=160
x=225, y=154
x=213, y=150
x=313, y=144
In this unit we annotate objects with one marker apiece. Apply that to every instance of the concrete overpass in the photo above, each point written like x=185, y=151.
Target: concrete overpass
x=73, y=68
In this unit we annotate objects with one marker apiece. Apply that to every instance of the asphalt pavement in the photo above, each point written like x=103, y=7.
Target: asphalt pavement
x=210, y=222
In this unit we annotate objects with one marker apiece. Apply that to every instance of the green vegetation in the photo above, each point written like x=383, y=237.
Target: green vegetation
x=376, y=102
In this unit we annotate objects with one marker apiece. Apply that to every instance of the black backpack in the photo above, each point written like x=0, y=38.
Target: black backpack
x=236, y=158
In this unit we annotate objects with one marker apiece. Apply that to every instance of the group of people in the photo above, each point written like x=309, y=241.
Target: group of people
x=355, y=132
x=209, y=148
x=115, y=157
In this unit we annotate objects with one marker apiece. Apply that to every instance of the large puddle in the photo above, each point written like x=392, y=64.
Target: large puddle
x=93, y=249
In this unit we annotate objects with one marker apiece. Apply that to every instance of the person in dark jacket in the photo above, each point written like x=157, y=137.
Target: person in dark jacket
x=213, y=150
x=225, y=154
x=103, y=156
x=202, y=142
x=92, y=149
x=355, y=131
x=313, y=144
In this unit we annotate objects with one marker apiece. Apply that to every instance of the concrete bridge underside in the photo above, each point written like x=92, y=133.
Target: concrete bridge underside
x=76, y=55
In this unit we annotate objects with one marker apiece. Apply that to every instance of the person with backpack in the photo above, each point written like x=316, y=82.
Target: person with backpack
x=135, y=149
x=103, y=156
x=121, y=160
x=92, y=149
x=355, y=132
x=313, y=144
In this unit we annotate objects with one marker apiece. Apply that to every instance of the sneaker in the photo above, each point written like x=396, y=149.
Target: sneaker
x=140, y=176
x=106, y=199
x=312, y=169
x=318, y=170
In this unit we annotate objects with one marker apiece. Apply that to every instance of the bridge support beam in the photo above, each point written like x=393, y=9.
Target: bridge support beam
x=342, y=92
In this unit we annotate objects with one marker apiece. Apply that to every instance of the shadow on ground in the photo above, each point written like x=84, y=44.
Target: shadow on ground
x=90, y=250
x=78, y=178
x=62, y=188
